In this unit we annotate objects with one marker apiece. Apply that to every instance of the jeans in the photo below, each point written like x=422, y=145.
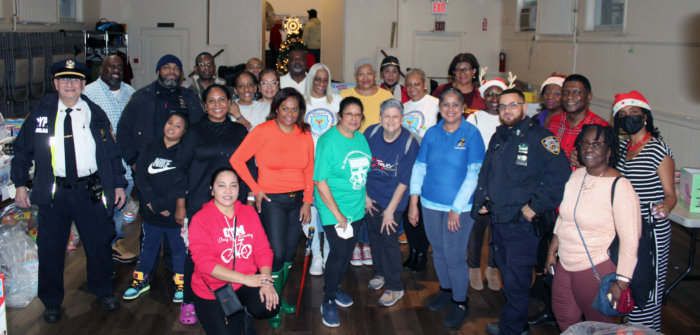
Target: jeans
x=316, y=242
x=280, y=219
x=118, y=216
x=150, y=247
x=338, y=259
x=386, y=255
x=449, y=250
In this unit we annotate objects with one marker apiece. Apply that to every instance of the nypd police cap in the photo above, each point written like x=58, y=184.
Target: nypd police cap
x=69, y=68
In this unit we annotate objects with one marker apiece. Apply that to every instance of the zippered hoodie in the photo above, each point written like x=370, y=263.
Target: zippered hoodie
x=211, y=243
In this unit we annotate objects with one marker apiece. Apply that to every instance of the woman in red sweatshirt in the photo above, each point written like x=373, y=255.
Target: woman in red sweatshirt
x=229, y=247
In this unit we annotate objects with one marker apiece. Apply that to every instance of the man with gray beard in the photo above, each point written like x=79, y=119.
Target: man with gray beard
x=144, y=116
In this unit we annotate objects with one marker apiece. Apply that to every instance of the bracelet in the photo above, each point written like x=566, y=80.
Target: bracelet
x=251, y=198
x=622, y=278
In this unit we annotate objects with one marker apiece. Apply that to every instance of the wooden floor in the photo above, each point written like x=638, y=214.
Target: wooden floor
x=154, y=313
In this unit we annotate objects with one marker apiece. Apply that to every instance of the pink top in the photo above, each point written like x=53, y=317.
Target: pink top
x=211, y=243
x=598, y=221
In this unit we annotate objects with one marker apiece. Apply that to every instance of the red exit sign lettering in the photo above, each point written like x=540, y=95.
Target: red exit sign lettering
x=439, y=7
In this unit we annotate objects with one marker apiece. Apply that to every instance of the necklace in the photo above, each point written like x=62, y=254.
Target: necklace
x=631, y=147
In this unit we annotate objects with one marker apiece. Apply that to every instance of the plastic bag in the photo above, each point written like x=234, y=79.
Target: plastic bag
x=601, y=328
x=12, y=215
x=73, y=239
x=19, y=261
x=130, y=210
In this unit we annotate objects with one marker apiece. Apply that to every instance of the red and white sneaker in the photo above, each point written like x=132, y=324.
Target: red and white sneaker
x=366, y=255
x=356, y=259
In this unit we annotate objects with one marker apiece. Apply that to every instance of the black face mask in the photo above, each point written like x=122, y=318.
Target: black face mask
x=631, y=124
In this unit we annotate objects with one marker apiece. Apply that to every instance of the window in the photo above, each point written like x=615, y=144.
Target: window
x=70, y=10
x=609, y=14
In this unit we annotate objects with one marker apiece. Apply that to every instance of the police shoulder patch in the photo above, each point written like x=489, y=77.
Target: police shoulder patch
x=550, y=143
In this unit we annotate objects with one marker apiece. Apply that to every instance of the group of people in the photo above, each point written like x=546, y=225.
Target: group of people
x=230, y=178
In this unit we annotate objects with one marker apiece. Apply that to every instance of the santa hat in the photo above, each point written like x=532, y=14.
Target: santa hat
x=633, y=98
x=493, y=82
x=556, y=80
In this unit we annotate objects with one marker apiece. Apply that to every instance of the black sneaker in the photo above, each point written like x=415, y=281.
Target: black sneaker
x=458, y=313
x=440, y=301
x=109, y=302
x=52, y=314
x=543, y=318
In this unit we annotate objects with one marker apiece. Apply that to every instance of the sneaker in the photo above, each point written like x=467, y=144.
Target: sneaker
x=329, y=311
x=179, y=281
x=366, y=255
x=342, y=299
x=316, y=268
x=139, y=285
x=403, y=239
x=376, y=283
x=389, y=298
x=121, y=255
x=356, y=259
x=458, y=313
x=440, y=300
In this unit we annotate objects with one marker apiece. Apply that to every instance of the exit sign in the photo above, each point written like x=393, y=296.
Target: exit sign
x=439, y=7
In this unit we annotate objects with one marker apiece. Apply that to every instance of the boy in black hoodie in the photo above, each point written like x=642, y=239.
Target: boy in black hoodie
x=154, y=175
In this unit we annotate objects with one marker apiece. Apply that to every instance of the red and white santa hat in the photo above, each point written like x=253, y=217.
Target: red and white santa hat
x=633, y=98
x=556, y=80
x=492, y=82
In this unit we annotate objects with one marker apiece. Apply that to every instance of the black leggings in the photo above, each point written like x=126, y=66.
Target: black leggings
x=211, y=316
x=187, y=294
x=416, y=235
x=280, y=219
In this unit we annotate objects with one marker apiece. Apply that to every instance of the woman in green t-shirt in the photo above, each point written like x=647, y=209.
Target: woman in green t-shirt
x=340, y=172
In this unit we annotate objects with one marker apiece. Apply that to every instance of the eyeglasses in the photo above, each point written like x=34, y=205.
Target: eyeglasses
x=466, y=69
x=353, y=115
x=269, y=83
x=69, y=80
x=492, y=95
x=208, y=64
x=592, y=145
x=510, y=106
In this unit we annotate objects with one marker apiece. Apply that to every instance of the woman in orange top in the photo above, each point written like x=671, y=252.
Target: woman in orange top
x=284, y=151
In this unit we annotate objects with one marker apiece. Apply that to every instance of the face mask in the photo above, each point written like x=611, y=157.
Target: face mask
x=631, y=124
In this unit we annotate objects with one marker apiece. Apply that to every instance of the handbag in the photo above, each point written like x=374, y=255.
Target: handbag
x=226, y=295
x=644, y=284
x=625, y=304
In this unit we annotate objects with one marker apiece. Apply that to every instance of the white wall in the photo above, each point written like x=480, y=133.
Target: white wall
x=657, y=54
x=368, y=29
x=235, y=27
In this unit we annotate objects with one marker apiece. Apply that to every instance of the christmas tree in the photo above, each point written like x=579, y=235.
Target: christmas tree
x=293, y=41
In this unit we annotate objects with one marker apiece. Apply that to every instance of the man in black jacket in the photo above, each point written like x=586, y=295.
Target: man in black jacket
x=79, y=177
x=523, y=175
x=143, y=118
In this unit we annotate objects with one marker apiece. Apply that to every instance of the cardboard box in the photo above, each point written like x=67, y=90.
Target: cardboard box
x=690, y=189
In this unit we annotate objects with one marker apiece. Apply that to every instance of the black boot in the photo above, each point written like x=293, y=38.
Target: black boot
x=411, y=260
x=419, y=265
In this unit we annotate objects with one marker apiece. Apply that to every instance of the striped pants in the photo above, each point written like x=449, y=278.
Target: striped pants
x=651, y=315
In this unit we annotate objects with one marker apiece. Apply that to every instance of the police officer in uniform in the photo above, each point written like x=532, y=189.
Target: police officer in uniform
x=523, y=175
x=79, y=177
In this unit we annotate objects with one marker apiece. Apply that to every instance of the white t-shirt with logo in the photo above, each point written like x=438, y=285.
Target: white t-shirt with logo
x=420, y=115
x=486, y=123
x=322, y=115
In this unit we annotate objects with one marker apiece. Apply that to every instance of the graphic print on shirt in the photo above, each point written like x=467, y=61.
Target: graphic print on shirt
x=358, y=162
x=320, y=120
x=160, y=165
x=242, y=249
x=460, y=144
x=385, y=168
x=414, y=121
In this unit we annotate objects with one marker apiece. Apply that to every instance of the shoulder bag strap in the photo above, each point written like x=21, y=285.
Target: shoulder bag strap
x=233, y=266
x=595, y=272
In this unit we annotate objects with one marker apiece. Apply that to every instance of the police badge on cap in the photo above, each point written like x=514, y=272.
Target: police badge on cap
x=69, y=68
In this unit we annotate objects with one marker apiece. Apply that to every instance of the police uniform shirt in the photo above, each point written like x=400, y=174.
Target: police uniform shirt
x=82, y=139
